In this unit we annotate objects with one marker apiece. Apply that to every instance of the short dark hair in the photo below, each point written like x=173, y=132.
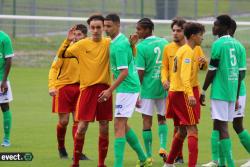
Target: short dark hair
x=113, y=17
x=95, y=17
x=146, y=23
x=82, y=28
x=179, y=22
x=233, y=27
x=224, y=20
x=192, y=28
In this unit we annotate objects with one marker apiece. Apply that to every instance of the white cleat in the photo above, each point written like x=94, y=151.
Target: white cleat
x=210, y=164
x=247, y=164
x=168, y=165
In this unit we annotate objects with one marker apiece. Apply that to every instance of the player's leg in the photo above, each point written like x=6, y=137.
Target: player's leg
x=179, y=159
x=146, y=109
x=192, y=133
x=242, y=133
x=103, y=142
x=63, y=120
x=78, y=142
x=162, y=126
x=7, y=123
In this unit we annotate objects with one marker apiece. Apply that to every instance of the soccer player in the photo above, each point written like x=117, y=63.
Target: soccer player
x=226, y=70
x=93, y=56
x=127, y=86
x=64, y=88
x=148, y=62
x=6, y=54
x=169, y=53
x=184, y=95
x=217, y=156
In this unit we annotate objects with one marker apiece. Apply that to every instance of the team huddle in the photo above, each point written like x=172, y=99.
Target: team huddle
x=149, y=74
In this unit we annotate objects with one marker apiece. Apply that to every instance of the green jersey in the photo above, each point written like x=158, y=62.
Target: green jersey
x=121, y=57
x=6, y=51
x=226, y=59
x=149, y=59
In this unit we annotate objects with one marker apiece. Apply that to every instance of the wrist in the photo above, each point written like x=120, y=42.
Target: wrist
x=203, y=92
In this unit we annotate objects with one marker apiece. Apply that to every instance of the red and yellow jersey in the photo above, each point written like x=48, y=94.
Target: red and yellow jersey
x=93, y=60
x=185, y=70
x=63, y=72
x=168, y=61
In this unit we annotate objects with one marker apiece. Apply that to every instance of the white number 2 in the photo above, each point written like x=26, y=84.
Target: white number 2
x=233, y=57
x=157, y=51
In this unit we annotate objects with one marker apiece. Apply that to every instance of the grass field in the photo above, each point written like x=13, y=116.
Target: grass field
x=34, y=128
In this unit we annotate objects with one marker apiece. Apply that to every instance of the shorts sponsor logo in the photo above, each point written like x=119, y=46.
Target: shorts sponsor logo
x=187, y=60
x=118, y=106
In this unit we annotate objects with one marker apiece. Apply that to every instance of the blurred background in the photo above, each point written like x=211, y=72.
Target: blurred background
x=49, y=34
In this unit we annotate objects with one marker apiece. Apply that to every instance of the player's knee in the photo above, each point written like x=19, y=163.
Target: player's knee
x=82, y=128
x=64, y=122
x=4, y=107
x=104, y=127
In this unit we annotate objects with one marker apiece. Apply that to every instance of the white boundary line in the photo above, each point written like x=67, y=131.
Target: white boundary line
x=57, y=18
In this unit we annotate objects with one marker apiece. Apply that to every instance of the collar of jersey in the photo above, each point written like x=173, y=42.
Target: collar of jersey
x=152, y=36
x=113, y=40
x=225, y=36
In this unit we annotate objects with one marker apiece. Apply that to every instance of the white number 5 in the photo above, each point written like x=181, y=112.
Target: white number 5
x=233, y=57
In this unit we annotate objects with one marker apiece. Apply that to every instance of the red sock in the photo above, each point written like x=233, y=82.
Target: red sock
x=103, y=149
x=78, y=146
x=61, y=131
x=193, y=150
x=180, y=153
x=74, y=129
x=175, y=148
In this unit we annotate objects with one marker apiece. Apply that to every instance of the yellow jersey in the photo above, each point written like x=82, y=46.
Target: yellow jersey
x=185, y=69
x=93, y=60
x=63, y=72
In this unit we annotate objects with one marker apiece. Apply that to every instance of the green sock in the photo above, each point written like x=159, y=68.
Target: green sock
x=119, y=147
x=226, y=146
x=135, y=144
x=215, y=145
x=147, y=137
x=7, y=119
x=245, y=139
x=222, y=160
x=162, y=133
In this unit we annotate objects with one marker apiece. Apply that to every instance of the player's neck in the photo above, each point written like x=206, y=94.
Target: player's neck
x=148, y=35
x=191, y=43
x=115, y=35
x=180, y=43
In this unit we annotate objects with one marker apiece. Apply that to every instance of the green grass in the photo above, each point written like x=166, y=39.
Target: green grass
x=34, y=128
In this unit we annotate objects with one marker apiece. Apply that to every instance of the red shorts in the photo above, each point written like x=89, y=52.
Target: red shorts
x=89, y=109
x=66, y=99
x=180, y=111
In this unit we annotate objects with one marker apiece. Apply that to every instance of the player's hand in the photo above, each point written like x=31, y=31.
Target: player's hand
x=166, y=85
x=202, y=61
x=133, y=39
x=191, y=101
x=52, y=92
x=104, y=95
x=237, y=105
x=4, y=87
x=203, y=99
x=71, y=36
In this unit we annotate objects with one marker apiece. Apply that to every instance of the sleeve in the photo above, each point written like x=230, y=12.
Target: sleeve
x=67, y=50
x=215, y=57
x=7, y=45
x=121, y=56
x=140, y=59
x=165, y=65
x=186, y=67
x=53, y=72
x=243, y=61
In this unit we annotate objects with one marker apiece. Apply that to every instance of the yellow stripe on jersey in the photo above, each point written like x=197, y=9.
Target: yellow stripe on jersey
x=93, y=60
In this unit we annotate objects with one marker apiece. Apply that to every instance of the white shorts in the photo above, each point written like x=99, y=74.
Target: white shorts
x=125, y=104
x=242, y=105
x=222, y=110
x=7, y=97
x=147, y=106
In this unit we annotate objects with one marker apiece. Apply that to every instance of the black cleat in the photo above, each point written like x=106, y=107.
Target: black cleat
x=83, y=157
x=63, y=153
x=179, y=160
